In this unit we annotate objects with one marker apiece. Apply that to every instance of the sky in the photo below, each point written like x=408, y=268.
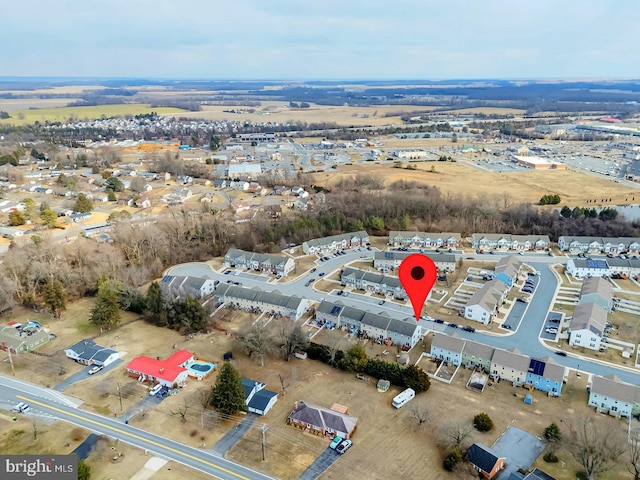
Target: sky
x=321, y=39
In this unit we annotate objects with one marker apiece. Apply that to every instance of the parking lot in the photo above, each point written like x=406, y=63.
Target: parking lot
x=552, y=321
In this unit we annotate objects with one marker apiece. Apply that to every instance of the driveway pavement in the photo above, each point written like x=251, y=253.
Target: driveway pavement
x=519, y=448
x=515, y=315
x=324, y=461
x=230, y=438
x=83, y=375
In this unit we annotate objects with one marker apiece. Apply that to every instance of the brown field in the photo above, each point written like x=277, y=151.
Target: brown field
x=527, y=186
x=12, y=105
x=383, y=432
x=489, y=111
x=280, y=112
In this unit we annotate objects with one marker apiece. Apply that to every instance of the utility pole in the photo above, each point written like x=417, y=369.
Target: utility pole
x=119, y=396
x=263, y=429
x=13, y=372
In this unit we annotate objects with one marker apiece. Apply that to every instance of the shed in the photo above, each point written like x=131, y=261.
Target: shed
x=528, y=399
x=383, y=385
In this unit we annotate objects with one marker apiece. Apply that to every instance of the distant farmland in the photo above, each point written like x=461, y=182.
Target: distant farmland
x=63, y=114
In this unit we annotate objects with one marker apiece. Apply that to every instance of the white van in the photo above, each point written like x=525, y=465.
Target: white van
x=403, y=398
x=155, y=389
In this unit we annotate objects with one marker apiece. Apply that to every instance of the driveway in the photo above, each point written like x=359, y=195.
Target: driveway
x=515, y=316
x=230, y=438
x=83, y=375
x=519, y=448
x=324, y=461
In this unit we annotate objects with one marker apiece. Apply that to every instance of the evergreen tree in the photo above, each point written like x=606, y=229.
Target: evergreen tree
x=84, y=470
x=55, y=297
x=16, y=218
x=29, y=208
x=111, y=196
x=227, y=395
x=482, y=422
x=355, y=360
x=49, y=218
x=83, y=204
x=114, y=183
x=416, y=378
x=155, y=304
x=106, y=311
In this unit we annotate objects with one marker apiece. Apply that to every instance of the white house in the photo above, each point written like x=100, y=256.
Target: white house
x=486, y=301
x=320, y=246
x=180, y=286
x=611, y=395
x=587, y=267
x=87, y=352
x=254, y=299
x=587, y=326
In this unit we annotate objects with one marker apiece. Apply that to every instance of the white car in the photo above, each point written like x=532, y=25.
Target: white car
x=344, y=446
x=552, y=330
x=95, y=369
x=21, y=408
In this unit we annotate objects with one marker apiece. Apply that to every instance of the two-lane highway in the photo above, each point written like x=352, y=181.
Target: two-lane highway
x=47, y=402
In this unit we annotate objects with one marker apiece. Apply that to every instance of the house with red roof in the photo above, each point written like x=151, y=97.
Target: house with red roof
x=168, y=372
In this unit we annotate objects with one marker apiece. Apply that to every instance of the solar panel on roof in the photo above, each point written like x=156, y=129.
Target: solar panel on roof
x=335, y=310
x=536, y=367
x=591, y=263
x=388, y=254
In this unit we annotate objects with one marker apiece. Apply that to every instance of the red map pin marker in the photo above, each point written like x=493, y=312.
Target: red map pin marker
x=417, y=275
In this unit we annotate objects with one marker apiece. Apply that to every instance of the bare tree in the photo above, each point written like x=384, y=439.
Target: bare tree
x=283, y=383
x=419, y=414
x=256, y=342
x=454, y=433
x=291, y=338
x=181, y=411
x=204, y=396
x=596, y=444
x=36, y=428
x=333, y=340
x=633, y=452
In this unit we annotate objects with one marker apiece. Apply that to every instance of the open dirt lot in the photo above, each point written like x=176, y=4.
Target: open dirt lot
x=526, y=186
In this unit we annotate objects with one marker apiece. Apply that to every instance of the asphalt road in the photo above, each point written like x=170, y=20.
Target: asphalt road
x=54, y=404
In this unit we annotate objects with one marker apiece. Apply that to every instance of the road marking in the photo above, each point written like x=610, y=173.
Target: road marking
x=137, y=437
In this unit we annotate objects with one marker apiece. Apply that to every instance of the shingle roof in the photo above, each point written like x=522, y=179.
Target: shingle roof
x=589, y=316
x=599, y=286
x=323, y=417
x=611, y=386
x=511, y=359
x=448, y=342
x=482, y=457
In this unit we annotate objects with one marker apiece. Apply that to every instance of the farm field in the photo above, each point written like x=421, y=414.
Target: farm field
x=274, y=111
x=62, y=114
x=525, y=186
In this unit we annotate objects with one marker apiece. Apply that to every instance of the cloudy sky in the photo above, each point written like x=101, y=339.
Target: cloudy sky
x=321, y=39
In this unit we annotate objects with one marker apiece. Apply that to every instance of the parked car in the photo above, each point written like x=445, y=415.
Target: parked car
x=227, y=272
x=467, y=328
x=344, y=446
x=438, y=320
x=95, y=369
x=562, y=354
x=381, y=302
x=321, y=274
x=312, y=270
x=555, y=320
x=552, y=330
x=453, y=325
x=335, y=442
x=278, y=277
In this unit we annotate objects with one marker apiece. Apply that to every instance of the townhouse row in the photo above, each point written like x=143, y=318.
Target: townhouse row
x=256, y=300
x=606, y=267
x=508, y=365
x=610, y=395
x=495, y=241
x=485, y=302
x=589, y=321
x=378, y=327
x=322, y=246
x=260, y=262
x=372, y=282
x=390, y=261
x=613, y=245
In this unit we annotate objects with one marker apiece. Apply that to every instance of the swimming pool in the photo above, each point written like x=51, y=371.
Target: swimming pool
x=200, y=369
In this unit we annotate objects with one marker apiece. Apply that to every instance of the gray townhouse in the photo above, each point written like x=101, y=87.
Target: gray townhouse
x=256, y=300
x=373, y=282
x=322, y=246
x=590, y=267
x=597, y=290
x=614, y=397
x=503, y=241
x=484, y=304
x=390, y=261
x=260, y=262
x=378, y=327
x=507, y=269
x=587, y=326
x=180, y=286
x=424, y=239
x=586, y=244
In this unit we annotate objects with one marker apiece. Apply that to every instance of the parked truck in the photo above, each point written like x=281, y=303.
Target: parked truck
x=403, y=398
